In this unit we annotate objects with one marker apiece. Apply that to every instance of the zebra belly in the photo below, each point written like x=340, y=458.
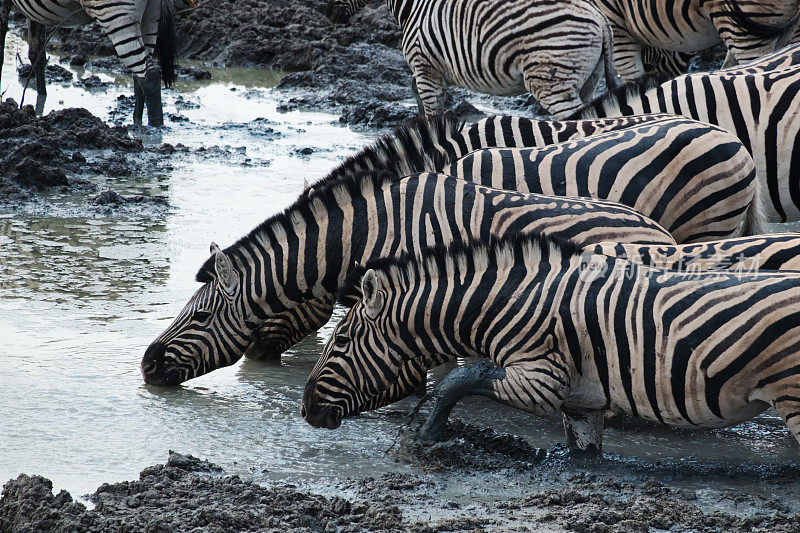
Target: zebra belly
x=733, y=416
x=50, y=12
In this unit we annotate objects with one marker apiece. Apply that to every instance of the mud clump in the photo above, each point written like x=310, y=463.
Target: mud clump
x=42, y=152
x=52, y=73
x=182, y=495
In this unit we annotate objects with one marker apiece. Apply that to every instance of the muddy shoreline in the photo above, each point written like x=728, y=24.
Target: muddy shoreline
x=548, y=490
x=356, y=70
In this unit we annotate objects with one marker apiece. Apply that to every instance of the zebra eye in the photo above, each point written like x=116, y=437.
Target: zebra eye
x=201, y=315
x=341, y=341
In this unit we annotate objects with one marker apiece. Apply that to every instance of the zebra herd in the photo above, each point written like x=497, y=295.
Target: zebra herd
x=616, y=261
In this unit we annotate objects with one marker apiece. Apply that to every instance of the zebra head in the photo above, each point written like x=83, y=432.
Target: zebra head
x=210, y=332
x=361, y=360
x=340, y=11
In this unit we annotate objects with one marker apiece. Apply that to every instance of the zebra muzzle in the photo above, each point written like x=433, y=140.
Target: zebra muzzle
x=319, y=415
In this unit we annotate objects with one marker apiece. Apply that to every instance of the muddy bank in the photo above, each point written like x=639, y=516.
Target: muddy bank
x=546, y=490
x=354, y=70
x=57, y=150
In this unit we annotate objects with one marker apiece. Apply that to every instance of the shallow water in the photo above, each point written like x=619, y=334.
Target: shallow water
x=82, y=294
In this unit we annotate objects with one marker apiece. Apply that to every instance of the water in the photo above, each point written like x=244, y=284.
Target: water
x=83, y=294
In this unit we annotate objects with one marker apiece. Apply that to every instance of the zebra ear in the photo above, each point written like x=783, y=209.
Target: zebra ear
x=214, y=248
x=371, y=294
x=306, y=185
x=224, y=269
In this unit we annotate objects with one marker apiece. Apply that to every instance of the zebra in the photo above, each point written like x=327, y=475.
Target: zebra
x=557, y=51
x=566, y=330
x=137, y=29
x=692, y=178
x=303, y=253
x=755, y=101
x=744, y=254
x=741, y=256
x=685, y=27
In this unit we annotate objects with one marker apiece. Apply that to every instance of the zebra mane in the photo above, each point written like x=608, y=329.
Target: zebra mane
x=419, y=145
x=494, y=253
x=348, y=184
x=613, y=102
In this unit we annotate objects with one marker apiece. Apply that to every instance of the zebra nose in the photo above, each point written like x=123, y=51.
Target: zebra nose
x=150, y=362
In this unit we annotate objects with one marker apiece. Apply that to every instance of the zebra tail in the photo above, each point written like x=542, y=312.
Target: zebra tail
x=614, y=102
x=778, y=30
x=755, y=219
x=612, y=76
x=166, y=42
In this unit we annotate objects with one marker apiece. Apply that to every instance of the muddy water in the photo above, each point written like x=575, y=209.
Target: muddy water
x=83, y=293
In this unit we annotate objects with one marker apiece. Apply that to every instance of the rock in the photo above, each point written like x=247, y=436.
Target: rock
x=92, y=82
x=52, y=73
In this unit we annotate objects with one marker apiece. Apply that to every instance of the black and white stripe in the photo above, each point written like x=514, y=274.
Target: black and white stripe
x=567, y=330
x=757, y=102
x=749, y=29
x=694, y=179
x=304, y=253
x=557, y=51
x=138, y=29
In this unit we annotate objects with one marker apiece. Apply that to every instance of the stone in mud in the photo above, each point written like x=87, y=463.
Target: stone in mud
x=52, y=73
x=78, y=60
x=91, y=82
x=192, y=73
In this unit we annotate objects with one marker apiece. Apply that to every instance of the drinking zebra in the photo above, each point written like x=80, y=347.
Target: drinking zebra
x=557, y=51
x=756, y=101
x=304, y=253
x=137, y=29
x=566, y=330
x=739, y=256
x=719, y=152
x=748, y=28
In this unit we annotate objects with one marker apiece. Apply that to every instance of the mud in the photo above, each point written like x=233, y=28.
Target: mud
x=546, y=490
x=355, y=70
x=182, y=495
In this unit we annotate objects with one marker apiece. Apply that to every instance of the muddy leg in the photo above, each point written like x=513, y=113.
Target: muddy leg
x=5, y=9
x=138, y=104
x=151, y=86
x=584, y=430
x=37, y=39
x=537, y=385
x=461, y=382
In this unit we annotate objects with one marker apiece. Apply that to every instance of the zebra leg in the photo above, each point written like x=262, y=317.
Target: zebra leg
x=420, y=105
x=5, y=10
x=788, y=406
x=138, y=104
x=430, y=87
x=627, y=55
x=462, y=381
x=37, y=39
x=584, y=430
x=151, y=86
x=536, y=386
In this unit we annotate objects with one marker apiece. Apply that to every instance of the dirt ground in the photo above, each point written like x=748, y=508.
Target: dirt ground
x=551, y=492
x=354, y=70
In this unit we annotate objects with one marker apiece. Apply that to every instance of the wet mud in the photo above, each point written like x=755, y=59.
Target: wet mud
x=547, y=490
x=59, y=149
x=355, y=70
